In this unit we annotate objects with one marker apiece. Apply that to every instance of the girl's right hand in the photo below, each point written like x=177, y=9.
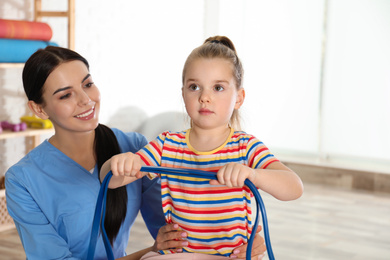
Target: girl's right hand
x=125, y=168
x=170, y=237
x=126, y=164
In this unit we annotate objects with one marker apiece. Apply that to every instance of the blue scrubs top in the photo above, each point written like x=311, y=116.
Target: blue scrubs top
x=52, y=201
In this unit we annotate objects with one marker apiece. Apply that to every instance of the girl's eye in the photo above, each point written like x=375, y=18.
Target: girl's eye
x=193, y=87
x=219, y=88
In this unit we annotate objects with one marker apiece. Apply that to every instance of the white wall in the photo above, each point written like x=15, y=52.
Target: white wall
x=356, y=110
x=329, y=110
x=137, y=50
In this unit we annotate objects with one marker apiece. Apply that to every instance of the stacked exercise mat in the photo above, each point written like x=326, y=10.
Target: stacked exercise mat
x=20, y=39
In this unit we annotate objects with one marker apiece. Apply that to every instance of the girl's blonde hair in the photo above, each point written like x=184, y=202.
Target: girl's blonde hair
x=220, y=47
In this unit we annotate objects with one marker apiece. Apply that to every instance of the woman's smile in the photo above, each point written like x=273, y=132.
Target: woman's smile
x=87, y=115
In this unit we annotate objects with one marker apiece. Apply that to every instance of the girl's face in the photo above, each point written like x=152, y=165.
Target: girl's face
x=71, y=99
x=209, y=92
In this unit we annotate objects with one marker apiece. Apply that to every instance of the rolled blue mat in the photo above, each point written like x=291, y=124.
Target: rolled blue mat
x=18, y=51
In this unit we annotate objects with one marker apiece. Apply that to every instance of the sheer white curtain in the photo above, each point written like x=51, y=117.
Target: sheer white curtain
x=356, y=111
x=317, y=76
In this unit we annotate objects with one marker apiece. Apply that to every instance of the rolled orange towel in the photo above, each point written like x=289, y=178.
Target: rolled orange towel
x=25, y=30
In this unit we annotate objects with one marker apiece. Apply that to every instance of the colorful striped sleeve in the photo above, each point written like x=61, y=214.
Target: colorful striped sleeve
x=259, y=156
x=151, y=153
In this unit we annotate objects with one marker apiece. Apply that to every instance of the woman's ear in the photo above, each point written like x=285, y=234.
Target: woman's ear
x=37, y=109
x=240, y=98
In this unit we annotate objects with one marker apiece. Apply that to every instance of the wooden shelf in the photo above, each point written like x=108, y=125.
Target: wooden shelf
x=11, y=65
x=32, y=134
x=69, y=14
x=28, y=132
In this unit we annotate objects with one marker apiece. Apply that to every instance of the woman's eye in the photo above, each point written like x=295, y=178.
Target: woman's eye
x=88, y=85
x=193, y=87
x=65, y=96
x=218, y=88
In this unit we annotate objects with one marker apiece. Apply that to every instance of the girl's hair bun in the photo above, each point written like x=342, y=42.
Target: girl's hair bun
x=221, y=40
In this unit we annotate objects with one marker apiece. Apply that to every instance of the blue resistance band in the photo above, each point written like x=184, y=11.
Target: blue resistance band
x=101, y=209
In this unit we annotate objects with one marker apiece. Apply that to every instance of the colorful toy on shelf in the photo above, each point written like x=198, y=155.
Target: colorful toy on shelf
x=13, y=127
x=36, y=122
x=20, y=39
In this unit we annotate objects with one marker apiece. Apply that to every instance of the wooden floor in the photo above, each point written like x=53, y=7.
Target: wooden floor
x=326, y=223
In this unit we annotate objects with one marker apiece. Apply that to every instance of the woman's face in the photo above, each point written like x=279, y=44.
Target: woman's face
x=71, y=99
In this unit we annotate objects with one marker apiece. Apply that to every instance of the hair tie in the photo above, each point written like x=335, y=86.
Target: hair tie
x=215, y=41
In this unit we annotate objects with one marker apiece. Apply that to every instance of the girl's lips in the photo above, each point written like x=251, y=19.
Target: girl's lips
x=87, y=115
x=205, y=111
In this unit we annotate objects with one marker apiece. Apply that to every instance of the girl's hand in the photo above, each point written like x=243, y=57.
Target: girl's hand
x=170, y=237
x=126, y=164
x=234, y=175
x=258, y=248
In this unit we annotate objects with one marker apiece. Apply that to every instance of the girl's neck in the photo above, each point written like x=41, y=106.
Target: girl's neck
x=77, y=146
x=205, y=140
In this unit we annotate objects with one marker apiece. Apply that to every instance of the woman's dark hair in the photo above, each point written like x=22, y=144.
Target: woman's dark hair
x=106, y=145
x=39, y=66
x=36, y=70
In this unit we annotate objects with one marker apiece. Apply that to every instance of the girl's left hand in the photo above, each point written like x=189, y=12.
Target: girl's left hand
x=258, y=248
x=234, y=175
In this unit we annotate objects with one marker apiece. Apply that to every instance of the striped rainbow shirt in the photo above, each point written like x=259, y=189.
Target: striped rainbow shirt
x=216, y=218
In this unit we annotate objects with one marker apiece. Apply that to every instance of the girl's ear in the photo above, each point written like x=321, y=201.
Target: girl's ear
x=37, y=110
x=240, y=98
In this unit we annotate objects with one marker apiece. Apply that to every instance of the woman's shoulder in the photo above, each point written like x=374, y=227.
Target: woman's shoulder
x=128, y=135
x=35, y=159
x=129, y=141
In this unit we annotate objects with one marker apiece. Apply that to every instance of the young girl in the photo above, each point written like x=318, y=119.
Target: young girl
x=215, y=214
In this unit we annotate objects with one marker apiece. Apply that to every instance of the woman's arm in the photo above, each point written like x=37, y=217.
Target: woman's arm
x=136, y=255
x=39, y=238
x=166, y=235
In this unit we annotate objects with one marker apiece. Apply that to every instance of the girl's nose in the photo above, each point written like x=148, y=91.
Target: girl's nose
x=204, y=97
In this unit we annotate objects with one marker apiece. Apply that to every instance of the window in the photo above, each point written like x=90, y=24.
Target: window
x=316, y=76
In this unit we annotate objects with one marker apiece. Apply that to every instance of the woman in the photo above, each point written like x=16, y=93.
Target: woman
x=52, y=191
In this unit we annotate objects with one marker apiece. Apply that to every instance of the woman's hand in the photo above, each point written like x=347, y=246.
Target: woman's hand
x=170, y=237
x=258, y=248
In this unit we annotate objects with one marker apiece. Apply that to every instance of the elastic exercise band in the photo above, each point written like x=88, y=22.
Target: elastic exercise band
x=100, y=209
